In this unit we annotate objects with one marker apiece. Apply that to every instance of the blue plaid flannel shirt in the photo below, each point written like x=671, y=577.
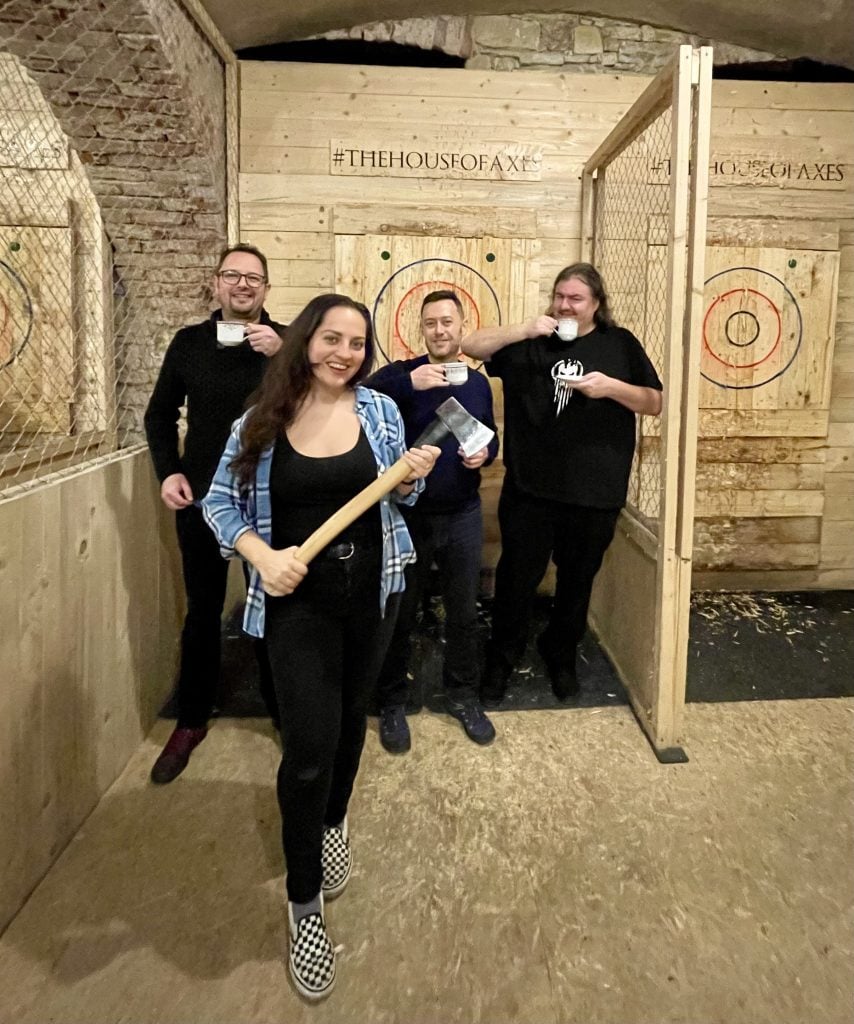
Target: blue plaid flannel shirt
x=230, y=512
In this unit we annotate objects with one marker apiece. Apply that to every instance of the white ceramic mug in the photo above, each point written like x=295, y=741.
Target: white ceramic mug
x=567, y=329
x=230, y=332
x=456, y=373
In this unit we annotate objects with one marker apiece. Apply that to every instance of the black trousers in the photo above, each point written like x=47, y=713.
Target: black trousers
x=326, y=643
x=532, y=531
x=453, y=541
x=205, y=580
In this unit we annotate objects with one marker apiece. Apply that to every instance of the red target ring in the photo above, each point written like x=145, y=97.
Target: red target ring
x=431, y=286
x=720, y=299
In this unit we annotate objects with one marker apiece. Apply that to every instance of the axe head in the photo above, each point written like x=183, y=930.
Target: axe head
x=452, y=418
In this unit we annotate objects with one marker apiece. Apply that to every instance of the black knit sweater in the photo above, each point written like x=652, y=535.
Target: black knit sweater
x=214, y=382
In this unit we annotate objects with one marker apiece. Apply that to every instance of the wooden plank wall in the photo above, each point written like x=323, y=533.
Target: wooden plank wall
x=775, y=503
x=293, y=207
x=90, y=599
x=773, y=511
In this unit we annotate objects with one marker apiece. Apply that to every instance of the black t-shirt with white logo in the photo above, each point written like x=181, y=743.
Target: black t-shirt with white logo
x=558, y=444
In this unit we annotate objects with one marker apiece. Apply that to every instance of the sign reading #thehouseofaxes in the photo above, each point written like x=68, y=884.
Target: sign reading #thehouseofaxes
x=513, y=161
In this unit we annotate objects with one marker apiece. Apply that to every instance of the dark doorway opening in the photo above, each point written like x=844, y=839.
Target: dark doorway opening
x=352, y=51
x=801, y=70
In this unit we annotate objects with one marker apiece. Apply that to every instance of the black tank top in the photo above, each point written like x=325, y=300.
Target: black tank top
x=306, y=491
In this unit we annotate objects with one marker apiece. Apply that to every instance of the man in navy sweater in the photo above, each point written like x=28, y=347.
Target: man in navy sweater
x=446, y=525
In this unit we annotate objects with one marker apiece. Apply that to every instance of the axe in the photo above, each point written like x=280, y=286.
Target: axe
x=451, y=418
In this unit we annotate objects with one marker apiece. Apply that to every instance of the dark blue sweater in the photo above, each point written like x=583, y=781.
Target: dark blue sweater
x=450, y=487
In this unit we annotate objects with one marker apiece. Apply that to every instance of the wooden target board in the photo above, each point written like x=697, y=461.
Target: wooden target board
x=767, y=340
x=16, y=315
x=496, y=279
x=36, y=345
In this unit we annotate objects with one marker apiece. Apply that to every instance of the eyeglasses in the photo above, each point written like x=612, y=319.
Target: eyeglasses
x=234, y=276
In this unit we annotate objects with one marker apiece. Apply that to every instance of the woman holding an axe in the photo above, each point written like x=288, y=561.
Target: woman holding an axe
x=314, y=441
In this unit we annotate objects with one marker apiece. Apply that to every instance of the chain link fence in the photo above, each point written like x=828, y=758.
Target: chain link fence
x=58, y=369
x=111, y=214
x=630, y=249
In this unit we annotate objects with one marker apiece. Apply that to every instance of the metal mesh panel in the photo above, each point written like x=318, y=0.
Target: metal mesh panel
x=630, y=249
x=111, y=214
x=56, y=386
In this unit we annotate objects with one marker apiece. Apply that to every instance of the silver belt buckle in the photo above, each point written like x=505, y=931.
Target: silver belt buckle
x=343, y=558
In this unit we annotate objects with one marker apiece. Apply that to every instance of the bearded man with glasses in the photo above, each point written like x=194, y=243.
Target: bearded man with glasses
x=213, y=380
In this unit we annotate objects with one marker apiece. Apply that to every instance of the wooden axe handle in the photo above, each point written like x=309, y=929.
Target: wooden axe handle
x=349, y=513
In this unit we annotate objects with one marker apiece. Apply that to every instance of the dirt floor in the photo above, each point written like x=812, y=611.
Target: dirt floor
x=559, y=876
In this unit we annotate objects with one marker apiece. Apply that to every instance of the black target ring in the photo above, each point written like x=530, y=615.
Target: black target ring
x=19, y=288
x=733, y=316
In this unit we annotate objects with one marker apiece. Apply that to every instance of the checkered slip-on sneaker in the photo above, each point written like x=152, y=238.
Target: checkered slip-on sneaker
x=312, y=956
x=336, y=858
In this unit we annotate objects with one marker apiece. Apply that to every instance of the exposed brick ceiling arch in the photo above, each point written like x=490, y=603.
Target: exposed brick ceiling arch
x=118, y=81
x=822, y=30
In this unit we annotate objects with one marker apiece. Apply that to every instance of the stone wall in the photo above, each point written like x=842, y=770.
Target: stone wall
x=139, y=92
x=573, y=42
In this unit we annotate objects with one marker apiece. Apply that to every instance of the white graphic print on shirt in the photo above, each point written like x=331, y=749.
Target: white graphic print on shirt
x=563, y=373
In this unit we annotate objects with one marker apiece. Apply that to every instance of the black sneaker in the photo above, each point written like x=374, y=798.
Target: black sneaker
x=394, y=729
x=561, y=673
x=470, y=714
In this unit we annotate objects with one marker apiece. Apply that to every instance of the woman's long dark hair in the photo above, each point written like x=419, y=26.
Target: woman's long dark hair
x=587, y=273
x=287, y=381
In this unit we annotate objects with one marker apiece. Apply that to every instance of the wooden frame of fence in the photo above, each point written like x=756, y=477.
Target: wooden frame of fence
x=654, y=674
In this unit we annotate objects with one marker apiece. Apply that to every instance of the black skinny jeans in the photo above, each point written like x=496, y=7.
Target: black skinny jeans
x=532, y=531
x=205, y=580
x=326, y=643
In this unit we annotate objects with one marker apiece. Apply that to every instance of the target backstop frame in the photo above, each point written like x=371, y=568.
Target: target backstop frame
x=641, y=602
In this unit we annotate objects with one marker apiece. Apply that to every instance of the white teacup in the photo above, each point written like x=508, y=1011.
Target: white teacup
x=230, y=332
x=567, y=329
x=456, y=373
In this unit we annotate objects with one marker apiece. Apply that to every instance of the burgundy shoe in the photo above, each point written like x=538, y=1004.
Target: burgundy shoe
x=175, y=755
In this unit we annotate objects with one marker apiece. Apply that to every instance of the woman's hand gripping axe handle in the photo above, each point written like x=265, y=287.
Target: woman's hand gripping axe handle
x=451, y=418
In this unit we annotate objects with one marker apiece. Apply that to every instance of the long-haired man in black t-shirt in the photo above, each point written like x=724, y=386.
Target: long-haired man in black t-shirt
x=213, y=379
x=573, y=383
